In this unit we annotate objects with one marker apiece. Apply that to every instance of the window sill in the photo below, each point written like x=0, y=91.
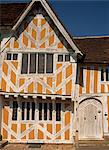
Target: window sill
x=104, y=82
x=36, y=75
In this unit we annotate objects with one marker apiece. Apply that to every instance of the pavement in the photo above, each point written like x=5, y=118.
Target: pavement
x=51, y=147
x=39, y=147
x=93, y=148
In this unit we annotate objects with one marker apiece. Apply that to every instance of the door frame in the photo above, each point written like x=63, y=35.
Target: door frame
x=81, y=101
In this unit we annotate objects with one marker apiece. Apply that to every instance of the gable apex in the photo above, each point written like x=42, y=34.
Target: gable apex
x=54, y=18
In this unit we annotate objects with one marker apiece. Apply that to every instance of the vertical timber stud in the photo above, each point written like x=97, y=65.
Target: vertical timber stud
x=0, y=117
x=1, y=62
x=19, y=118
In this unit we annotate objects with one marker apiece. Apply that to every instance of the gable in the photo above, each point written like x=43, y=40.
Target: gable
x=56, y=23
x=37, y=31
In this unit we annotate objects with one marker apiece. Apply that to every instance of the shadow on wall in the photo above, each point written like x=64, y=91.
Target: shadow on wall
x=88, y=72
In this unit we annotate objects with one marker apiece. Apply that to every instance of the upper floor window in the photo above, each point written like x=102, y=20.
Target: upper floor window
x=102, y=74
x=37, y=63
x=67, y=57
x=64, y=58
x=12, y=56
x=105, y=74
x=60, y=58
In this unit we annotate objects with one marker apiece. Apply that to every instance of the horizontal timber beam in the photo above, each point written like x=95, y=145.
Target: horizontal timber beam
x=36, y=96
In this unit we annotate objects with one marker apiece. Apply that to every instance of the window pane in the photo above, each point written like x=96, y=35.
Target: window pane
x=24, y=64
x=50, y=111
x=33, y=110
x=41, y=63
x=14, y=114
x=28, y=110
x=9, y=56
x=107, y=75
x=60, y=58
x=67, y=57
x=45, y=111
x=32, y=63
x=15, y=56
x=23, y=110
x=49, y=63
x=102, y=75
x=40, y=111
x=58, y=111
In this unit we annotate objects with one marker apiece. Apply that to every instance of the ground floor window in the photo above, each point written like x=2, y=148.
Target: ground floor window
x=45, y=111
x=58, y=111
x=14, y=112
x=37, y=120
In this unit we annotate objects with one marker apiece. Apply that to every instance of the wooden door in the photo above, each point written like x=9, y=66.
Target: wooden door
x=90, y=119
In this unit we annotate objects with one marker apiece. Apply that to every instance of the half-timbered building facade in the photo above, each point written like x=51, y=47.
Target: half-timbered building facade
x=51, y=86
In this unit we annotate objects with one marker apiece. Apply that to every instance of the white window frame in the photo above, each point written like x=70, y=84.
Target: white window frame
x=104, y=74
x=36, y=73
x=11, y=56
x=63, y=58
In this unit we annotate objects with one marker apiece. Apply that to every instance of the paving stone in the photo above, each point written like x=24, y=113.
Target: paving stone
x=51, y=147
x=43, y=147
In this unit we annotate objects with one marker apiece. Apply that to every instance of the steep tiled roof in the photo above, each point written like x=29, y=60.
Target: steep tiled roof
x=96, y=49
x=9, y=13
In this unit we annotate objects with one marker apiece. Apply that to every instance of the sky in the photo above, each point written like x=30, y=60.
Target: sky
x=81, y=18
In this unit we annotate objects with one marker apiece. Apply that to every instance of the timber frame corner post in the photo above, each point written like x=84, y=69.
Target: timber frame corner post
x=0, y=117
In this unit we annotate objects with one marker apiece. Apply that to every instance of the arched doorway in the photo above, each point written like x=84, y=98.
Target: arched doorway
x=90, y=119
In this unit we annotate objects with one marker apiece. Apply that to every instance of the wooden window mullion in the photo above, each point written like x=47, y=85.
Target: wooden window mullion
x=28, y=63
x=45, y=63
x=30, y=117
x=36, y=63
x=25, y=112
x=47, y=111
x=11, y=56
x=42, y=111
